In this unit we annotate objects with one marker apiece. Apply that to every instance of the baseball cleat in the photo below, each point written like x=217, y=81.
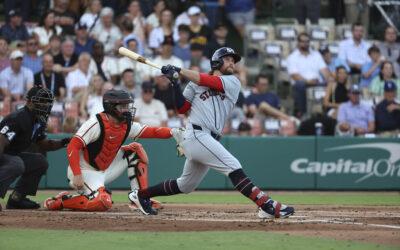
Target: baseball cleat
x=155, y=204
x=273, y=209
x=144, y=205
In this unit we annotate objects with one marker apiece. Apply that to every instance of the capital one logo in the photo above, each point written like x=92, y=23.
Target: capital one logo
x=383, y=167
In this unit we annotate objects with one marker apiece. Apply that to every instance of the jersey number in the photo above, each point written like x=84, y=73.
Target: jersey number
x=10, y=135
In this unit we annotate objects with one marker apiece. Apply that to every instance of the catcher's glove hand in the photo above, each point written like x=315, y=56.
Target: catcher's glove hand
x=170, y=71
x=178, y=134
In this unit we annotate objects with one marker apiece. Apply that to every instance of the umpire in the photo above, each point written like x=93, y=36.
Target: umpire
x=18, y=131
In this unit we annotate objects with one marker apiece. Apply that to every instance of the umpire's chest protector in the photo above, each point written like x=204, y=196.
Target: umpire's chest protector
x=100, y=153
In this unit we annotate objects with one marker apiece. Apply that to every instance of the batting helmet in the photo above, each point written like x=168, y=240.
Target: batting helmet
x=42, y=101
x=112, y=98
x=216, y=59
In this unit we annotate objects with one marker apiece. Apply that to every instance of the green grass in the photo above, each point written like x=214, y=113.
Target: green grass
x=11, y=239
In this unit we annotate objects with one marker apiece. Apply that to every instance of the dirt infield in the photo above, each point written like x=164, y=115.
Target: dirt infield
x=365, y=224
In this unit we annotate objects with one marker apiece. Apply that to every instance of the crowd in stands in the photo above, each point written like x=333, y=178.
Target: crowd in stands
x=74, y=54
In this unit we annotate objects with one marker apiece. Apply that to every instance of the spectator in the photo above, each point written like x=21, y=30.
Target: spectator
x=127, y=35
x=70, y=124
x=355, y=50
x=49, y=79
x=182, y=47
x=64, y=18
x=309, y=126
x=386, y=74
x=390, y=49
x=218, y=40
x=128, y=83
x=197, y=58
x=387, y=112
x=244, y=129
x=336, y=92
x=78, y=80
x=92, y=15
x=152, y=21
x=305, y=66
x=150, y=111
x=22, y=5
x=14, y=29
x=199, y=33
x=165, y=93
x=31, y=59
x=104, y=65
x=46, y=29
x=83, y=43
x=4, y=57
x=354, y=117
x=332, y=63
x=92, y=99
x=106, y=31
x=166, y=56
x=135, y=15
x=240, y=13
x=307, y=9
x=260, y=95
x=184, y=18
x=370, y=70
x=66, y=61
x=15, y=80
x=164, y=30
x=55, y=46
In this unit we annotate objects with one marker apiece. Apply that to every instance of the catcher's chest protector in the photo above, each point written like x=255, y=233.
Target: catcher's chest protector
x=102, y=152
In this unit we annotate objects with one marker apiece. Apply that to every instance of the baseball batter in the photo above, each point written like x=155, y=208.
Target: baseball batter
x=210, y=98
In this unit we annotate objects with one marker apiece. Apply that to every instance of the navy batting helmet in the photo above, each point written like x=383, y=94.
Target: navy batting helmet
x=216, y=59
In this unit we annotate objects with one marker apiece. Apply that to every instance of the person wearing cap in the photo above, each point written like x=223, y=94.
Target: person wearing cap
x=166, y=56
x=150, y=111
x=386, y=74
x=354, y=117
x=165, y=29
x=18, y=131
x=332, y=62
x=370, y=70
x=184, y=18
x=106, y=31
x=199, y=33
x=14, y=29
x=46, y=29
x=15, y=80
x=4, y=57
x=83, y=43
x=387, y=112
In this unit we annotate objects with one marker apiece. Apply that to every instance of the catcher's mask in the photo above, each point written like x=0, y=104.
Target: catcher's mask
x=119, y=104
x=42, y=101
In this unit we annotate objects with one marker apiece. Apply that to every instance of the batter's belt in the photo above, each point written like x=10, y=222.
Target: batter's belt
x=214, y=135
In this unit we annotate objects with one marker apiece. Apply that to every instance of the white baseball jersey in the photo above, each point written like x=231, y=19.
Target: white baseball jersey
x=210, y=109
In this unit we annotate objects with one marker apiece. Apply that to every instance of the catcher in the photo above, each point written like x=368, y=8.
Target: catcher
x=97, y=156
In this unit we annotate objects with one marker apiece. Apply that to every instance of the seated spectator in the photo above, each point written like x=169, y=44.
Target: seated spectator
x=47, y=78
x=370, y=70
x=128, y=83
x=103, y=65
x=78, y=80
x=46, y=29
x=355, y=49
x=218, y=40
x=390, y=49
x=164, y=30
x=32, y=60
x=135, y=15
x=152, y=21
x=332, y=63
x=92, y=99
x=15, y=80
x=14, y=29
x=4, y=57
x=64, y=18
x=55, y=46
x=354, y=117
x=83, y=43
x=128, y=35
x=387, y=112
x=70, y=124
x=150, y=111
x=386, y=74
x=197, y=57
x=240, y=13
x=244, y=129
x=107, y=32
x=182, y=46
x=92, y=15
x=184, y=18
x=310, y=126
x=199, y=33
x=336, y=92
x=305, y=66
x=166, y=57
x=261, y=94
x=66, y=61
x=164, y=92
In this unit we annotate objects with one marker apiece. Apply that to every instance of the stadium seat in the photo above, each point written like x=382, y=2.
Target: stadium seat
x=343, y=31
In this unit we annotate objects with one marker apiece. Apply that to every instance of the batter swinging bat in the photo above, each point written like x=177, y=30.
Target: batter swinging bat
x=135, y=56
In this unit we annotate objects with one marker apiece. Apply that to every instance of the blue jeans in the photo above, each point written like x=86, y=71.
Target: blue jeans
x=299, y=96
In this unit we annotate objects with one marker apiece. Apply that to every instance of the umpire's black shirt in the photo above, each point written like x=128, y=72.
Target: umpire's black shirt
x=21, y=129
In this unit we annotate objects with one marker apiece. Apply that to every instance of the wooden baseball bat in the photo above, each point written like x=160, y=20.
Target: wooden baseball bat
x=135, y=56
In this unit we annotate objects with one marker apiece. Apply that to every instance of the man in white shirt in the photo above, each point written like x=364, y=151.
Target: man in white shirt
x=78, y=80
x=305, y=67
x=15, y=80
x=354, y=50
x=150, y=111
x=166, y=56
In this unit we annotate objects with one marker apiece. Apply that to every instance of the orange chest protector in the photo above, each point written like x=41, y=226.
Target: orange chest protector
x=100, y=153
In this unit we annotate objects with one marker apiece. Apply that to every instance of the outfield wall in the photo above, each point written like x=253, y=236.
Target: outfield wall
x=306, y=163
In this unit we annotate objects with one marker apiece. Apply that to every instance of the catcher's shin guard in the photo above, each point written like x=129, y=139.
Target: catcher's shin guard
x=99, y=201
x=137, y=165
x=55, y=203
